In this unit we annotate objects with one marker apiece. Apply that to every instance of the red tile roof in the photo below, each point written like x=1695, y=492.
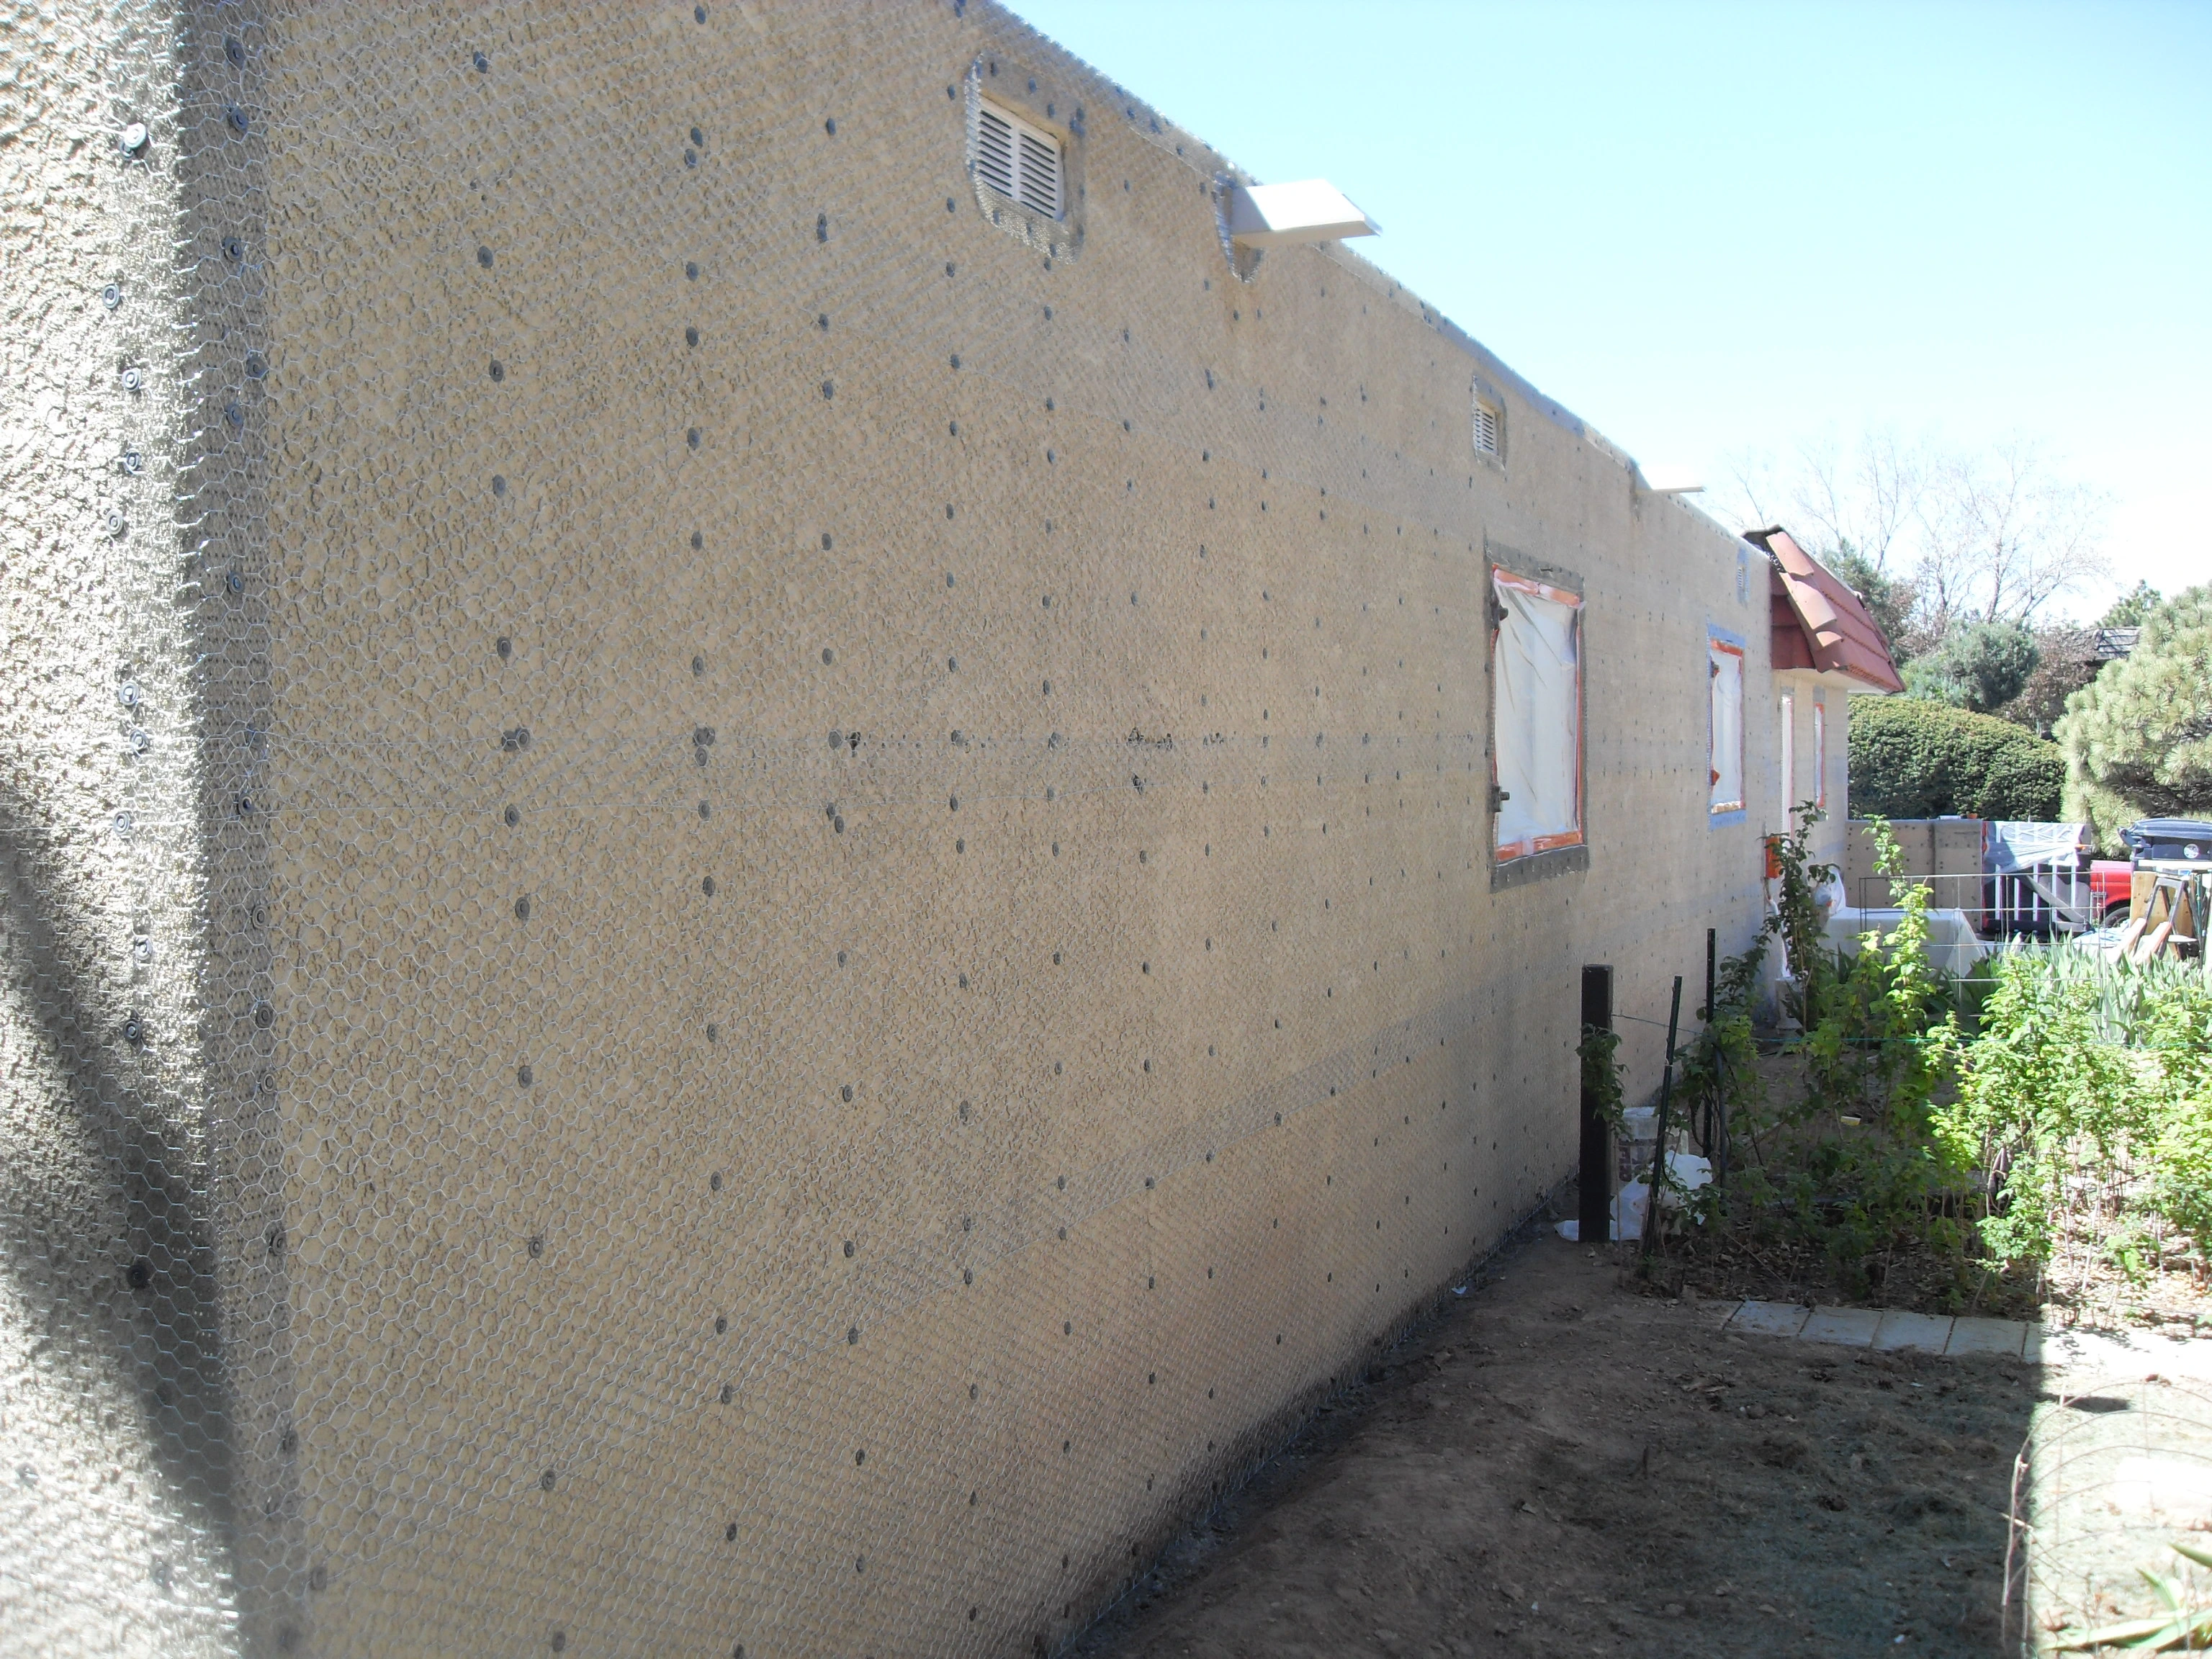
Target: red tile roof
x=1818, y=622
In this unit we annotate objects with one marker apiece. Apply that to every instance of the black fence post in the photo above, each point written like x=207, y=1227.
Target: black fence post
x=1595, y=1208
x=1713, y=944
x=1705, y=1111
x=1651, y=1206
x=1716, y=1123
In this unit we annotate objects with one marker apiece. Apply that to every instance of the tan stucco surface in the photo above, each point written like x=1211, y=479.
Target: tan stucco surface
x=963, y=792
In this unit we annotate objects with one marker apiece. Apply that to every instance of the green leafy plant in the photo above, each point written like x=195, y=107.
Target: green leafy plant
x=1849, y=1164
x=1721, y=1083
x=1600, y=1050
x=2086, y=1072
x=1887, y=1031
x=2180, y=1029
x=2052, y=1112
x=1796, y=919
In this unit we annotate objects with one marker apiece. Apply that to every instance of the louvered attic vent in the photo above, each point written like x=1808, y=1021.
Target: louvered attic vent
x=1019, y=161
x=1486, y=428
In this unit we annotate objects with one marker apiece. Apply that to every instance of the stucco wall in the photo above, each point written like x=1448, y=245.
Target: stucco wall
x=121, y=1422
x=831, y=968
x=1809, y=689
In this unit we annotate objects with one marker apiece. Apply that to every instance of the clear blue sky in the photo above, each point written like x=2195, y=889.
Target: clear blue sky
x=1710, y=228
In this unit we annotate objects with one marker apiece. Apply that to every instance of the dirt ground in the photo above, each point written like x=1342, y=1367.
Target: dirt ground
x=1560, y=1465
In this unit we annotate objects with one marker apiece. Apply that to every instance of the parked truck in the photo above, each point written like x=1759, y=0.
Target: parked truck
x=2163, y=841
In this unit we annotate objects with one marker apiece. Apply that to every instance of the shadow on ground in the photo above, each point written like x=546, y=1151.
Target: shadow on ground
x=1559, y=1466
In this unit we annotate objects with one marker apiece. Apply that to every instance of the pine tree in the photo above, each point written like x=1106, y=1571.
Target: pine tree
x=2131, y=607
x=2138, y=737
x=1982, y=666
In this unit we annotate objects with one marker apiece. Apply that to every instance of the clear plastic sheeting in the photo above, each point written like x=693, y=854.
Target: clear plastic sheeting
x=1539, y=716
x=2010, y=845
x=1952, y=945
x=1724, y=670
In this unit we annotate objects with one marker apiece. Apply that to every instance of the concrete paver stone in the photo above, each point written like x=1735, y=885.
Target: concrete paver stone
x=1929, y=1333
x=2117, y=1354
x=1854, y=1328
x=1769, y=1319
x=1974, y=1335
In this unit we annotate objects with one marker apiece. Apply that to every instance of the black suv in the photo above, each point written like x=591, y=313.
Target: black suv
x=2169, y=838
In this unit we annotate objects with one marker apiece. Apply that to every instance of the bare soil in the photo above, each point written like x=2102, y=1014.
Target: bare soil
x=1558, y=1464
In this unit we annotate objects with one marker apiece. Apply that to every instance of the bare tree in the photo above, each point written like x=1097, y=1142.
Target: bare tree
x=1963, y=537
x=1753, y=493
x=1866, y=501
x=2002, y=537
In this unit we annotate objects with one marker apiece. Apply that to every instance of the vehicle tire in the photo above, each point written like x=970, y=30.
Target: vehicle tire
x=2116, y=915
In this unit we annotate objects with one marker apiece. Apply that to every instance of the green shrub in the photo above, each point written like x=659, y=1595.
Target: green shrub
x=1912, y=759
x=2045, y=1087
x=2088, y=1073
x=2179, y=1024
x=2056, y=1108
x=1851, y=1165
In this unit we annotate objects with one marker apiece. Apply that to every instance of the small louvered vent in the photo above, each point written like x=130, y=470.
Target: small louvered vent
x=1018, y=161
x=1040, y=191
x=1486, y=428
x=994, y=151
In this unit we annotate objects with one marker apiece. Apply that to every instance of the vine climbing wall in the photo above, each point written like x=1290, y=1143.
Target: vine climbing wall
x=749, y=906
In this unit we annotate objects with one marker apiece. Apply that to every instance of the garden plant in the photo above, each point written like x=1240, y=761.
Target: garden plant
x=2040, y=1132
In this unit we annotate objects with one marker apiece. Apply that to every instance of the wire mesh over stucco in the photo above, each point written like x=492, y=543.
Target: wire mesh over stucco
x=741, y=919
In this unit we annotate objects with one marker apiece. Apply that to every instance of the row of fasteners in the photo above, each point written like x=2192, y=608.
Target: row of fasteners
x=135, y=140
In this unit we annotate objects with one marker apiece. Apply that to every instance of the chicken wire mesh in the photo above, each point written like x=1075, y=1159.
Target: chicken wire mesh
x=744, y=915
x=2115, y=1473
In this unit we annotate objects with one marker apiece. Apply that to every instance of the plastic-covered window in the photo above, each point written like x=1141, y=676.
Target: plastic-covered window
x=1724, y=674
x=1536, y=751
x=1788, y=722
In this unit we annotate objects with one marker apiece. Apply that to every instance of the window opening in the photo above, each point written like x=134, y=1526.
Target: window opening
x=1724, y=674
x=1789, y=757
x=1019, y=161
x=1536, y=756
x=1819, y=756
